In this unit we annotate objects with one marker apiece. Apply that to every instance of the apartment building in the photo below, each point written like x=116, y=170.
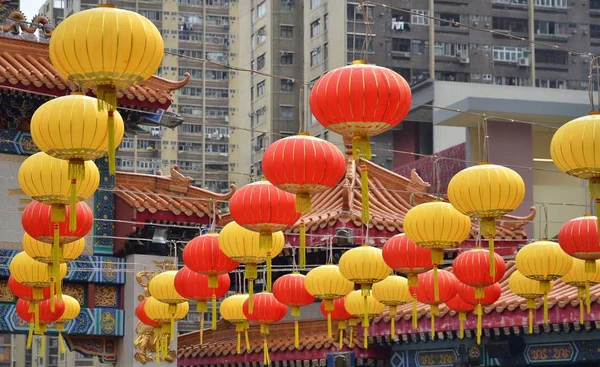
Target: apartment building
x=193, y=29
x=332, y=33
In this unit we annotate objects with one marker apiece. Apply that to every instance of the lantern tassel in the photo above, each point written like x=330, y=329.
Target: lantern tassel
x=329, y=332
x=111, y=142
x=36, y=314
x=76, y=172
x=202, y=328
x=581, y=318
x=352, y=323
x=30, y=335
x=531, y=307
x=214, y=312
x=246, y=337
x=414, y=312
x=341, y=328
x=366, y=311
x=213, y=281
x=296, y=334
x=434, y=311
x=546, y=308
x=587, y=297
x=58, y=213
x=266, y=359
x=361, y=148
x=239, y=343
x=365, y=336
x=432, y=327
x=364, y=193
x=436, y=287
x=250, y=296
x=43, y=346
x=269, y=279
x=61, y=344
x=462, y=317
x=303, y=203
x=265, y=241
x=302, y=229
x=488, y=230
x=595, y=194
x=56, y=280
x=479, y=313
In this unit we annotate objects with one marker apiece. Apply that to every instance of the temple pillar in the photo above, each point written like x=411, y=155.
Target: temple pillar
x=140, y=270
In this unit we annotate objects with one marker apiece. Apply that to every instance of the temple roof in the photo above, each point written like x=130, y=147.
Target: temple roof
x=25, y=65
x=174, y=193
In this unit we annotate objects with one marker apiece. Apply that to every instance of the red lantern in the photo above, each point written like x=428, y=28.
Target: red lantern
x=26, y=293
x=203, y=255
x=262, y=207
x=36, y=221
x=579, y=238
x=340, y=314
x=447, y=286
x=140, y=313
x=487, y=296
x=472, y=268
x=38, y=323
x=404, y=256
x=194, y=286
x=290, y=290
x=267, y=310
x=457, y=304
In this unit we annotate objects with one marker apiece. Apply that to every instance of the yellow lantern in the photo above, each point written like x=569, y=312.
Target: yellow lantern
x=528, y=289
x=106, y=48
x=243, y=246
x=72, y=309
x=327, y=283
x=544, y=261
x=167, y=315
x=576, y=151
x=356, y=306
x=34, y=274
x=232, y=310
x=53, y=256
x=392, y=292
x=582, y=280
x=72, y=128
x=486, y=192
x=46, y=179
x=436, y=226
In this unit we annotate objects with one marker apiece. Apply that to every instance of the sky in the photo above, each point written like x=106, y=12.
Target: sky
x=31, y=7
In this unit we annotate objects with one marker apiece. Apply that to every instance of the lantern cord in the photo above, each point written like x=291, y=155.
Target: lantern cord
x=294, y=265
x=214, y=311
x=488, y=229
x=58, y=213
x=365, y=46
x=594, y=184
x=61, y=343
x=479, y=313
x=296, y=334
x=462, y=317
x=329, y=331
x=269, y=279
x=239, y=343
x=432, y=327
x=341, y=345
x=111, y=137
x=247, y=339
x=250, y=296
x=201, y=328
x=530, y=321
x=587, y=297
x=486, y=153
x=364, y=188
x=303, y=127
x=365, y=334
x=581, y=317
x=265, y=240
x=414, y=312
x=213, y=224
x=302, y=240
x=392, y=312
x=42, y=346
x=30, y=335
x=36, y=313
x=590, y=266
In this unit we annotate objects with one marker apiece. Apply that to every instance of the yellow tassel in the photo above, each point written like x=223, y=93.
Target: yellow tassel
x=361, y=148
x=302, y=229
x=303, y=203
x=365, y=336
x=30, y=335
x=432, y=327
x=341, y=328
x=111, y=142
x=43, y=346
x=581, y=318
x=267, y=360
x=588, y=301
x=265, y=241
x=247, y=339
x=329, y=332
x=36, y=314
x=414, y=313
x=57, y=281
x=295, y=312
x=239, y=343
x=213, y=281
x=364, y=192
x=590, y=266
x=58, y=213
x=594, y=187
x=214, y=312
x=436, y=286
x=479, y=313
x=201, y=328
x=341, y=338
x=296, y=335
x=61, y=344
x=462, y=317
x=488, y=230
x=251, y=271
x=546, y=308
x=76, y=173
x=392, y=311
x=531, y=307
x=365, y=310
x=269, y=272
x=250, y=296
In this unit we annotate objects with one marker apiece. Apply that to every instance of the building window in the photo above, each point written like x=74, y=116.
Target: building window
x=594, y=31
x=287, y=5
x=315, y=56
x=356, y=12
x=261, y=35
x=261, y=9
x=450, y=19
x=287, y=58
x=315, y=28
x=419, y=47
x=217, y=93
x=126, y=144
x=419, y=17
x=551, y=57
x=260, y=89
x=315, y=3
x=551, y=28
x=287, y=85
x=509, y=54
x=551, y=3
x=400, y=45
x=286, y=112
x=451, y=49
x=357, y=43
x=550, y=83
x=509, y=80
x=287, y=31
x=260, y=62
x=190, y=129
x=510, y=24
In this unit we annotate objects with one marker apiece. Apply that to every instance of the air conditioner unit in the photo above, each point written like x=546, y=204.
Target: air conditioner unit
x=523, y=61
x=464, y=60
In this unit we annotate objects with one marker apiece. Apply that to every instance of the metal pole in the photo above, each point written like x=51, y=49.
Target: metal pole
x=204, y=96
x=531, y=44
x=432, y=41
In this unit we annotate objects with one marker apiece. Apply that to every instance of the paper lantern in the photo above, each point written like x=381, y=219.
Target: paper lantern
x=290, y=290
x=574, y=150
x=404, y=256
x=72, y=310
x=327, y=283
x=46, y=179
x=457, y=304
x=162, y=289
x=72, y=128
x=267, y=310
x=486, y=296
x=243, y=245
x=261, y=207
x=44, y=312
x=472, y=268
x=194, y=286
x=579, y=238
x=166, y=315
x=581, y=279
x=140, y=313
x=486, y=192
x=106, y=48
x=436, y=226
x=25, y=292
x=36, y=221
x=203, y=255
x=447, y=286
x=357, y=306
x=392, y=292
x=544, y=261
x=232, y=310
x=339, y=314
x=530, y=290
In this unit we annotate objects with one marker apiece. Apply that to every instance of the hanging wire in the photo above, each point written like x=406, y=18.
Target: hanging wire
x=301, y=120
x=486, y=153
x=545, y=211
x=594, y=69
